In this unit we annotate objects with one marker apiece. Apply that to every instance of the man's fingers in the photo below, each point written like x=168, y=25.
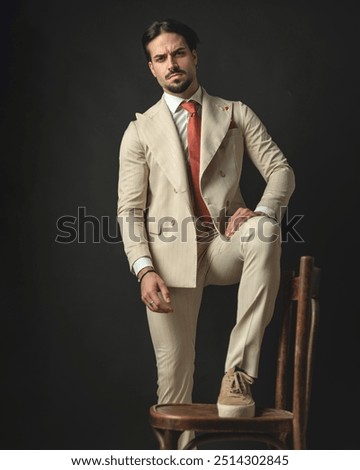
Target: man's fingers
x=163, y=301
x=159, y=305
x=152, y=304
x=237, y=219
x=155, y=294
x=235, y=224
x=164, y=292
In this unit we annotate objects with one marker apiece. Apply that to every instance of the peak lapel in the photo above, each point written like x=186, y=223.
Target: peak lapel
x=165, y=145
x=215, y=121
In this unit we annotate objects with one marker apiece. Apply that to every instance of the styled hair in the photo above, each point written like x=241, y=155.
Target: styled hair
x=169, y=25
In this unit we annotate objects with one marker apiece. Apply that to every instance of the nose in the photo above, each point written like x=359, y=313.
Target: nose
x=172, y=62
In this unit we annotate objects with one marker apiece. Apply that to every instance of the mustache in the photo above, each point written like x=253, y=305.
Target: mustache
x=174, y=70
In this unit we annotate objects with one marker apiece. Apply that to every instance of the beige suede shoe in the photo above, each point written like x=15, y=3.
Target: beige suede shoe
x=235, y=399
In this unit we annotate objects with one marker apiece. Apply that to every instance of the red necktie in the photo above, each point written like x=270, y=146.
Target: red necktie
x=194, y=133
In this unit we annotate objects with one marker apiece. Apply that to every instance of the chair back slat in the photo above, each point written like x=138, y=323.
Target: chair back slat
x=285, y=295
x=314, y=322
x=299, y=317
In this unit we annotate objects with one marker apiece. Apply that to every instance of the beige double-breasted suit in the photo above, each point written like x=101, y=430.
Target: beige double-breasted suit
x=156, y=220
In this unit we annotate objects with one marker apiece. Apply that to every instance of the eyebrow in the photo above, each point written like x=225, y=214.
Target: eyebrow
x=159, y=56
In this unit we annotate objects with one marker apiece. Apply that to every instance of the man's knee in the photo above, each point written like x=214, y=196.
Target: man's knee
x=261, y=230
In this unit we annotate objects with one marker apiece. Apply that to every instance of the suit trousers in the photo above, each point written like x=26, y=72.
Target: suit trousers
x=250, y=257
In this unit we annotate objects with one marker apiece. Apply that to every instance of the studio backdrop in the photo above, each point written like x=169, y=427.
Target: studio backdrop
x=78, y=366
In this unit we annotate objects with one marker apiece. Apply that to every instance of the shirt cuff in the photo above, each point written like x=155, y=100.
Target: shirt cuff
x=141, y=263
x=269, y=212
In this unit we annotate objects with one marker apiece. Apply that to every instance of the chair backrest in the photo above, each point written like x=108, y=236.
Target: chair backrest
x=299, y=311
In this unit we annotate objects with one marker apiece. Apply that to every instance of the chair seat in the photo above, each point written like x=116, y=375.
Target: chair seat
x=203, y=417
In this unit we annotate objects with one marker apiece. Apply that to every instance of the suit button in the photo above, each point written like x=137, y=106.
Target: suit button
x=222, y=173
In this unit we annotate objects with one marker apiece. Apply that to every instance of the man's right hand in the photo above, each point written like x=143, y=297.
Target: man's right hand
x=154, y=292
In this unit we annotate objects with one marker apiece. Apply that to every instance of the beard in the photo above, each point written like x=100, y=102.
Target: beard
x=178, y=86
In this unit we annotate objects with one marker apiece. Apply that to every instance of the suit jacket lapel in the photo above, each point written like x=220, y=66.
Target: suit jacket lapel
x=160, y=128
x=215, y=121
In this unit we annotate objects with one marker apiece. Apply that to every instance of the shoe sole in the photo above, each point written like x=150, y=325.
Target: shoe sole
x=236, y=411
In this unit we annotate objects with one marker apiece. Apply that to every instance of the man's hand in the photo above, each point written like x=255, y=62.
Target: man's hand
x=239, y=218
x=154, y=292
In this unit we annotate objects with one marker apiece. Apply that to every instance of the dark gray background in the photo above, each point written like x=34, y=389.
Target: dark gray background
x=78, y=368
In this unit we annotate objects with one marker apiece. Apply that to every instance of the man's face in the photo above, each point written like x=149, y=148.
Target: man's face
x=173, y=64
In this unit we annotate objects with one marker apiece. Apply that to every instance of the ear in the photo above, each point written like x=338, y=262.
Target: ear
x=195, y=56
x=151, y=67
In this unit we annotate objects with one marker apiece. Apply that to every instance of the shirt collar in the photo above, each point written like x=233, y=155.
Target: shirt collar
x=173, y=101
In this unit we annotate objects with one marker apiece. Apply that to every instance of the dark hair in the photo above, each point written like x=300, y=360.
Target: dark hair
x=169, y=25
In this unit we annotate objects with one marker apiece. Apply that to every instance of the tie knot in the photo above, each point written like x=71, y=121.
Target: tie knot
x=190, y=106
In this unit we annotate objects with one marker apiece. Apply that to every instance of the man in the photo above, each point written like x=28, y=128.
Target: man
x=185, y=225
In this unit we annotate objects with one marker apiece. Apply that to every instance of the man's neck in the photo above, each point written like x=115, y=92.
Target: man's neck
x=173, y=101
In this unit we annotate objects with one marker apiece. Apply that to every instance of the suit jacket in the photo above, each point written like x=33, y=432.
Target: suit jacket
x=155, y=211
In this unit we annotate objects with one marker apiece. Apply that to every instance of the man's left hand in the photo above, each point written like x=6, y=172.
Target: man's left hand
x=238, y=218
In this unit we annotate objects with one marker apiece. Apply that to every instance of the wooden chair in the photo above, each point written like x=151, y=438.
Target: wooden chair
x=285, y=425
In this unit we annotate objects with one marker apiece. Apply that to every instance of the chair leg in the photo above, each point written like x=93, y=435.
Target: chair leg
x=299, y=441
x=283, y=437
x=168, y=440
